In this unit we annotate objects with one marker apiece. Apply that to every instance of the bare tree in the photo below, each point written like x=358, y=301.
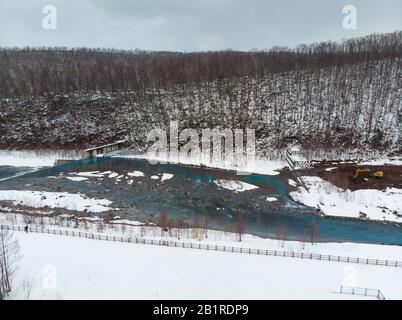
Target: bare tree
x=282, y=235
x=163, y=219
x=313, y=231
x=240, y=224
x=26, y=289
x=33, y=71
x=9, y=255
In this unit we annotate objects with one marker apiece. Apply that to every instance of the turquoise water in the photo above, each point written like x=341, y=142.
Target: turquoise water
x=7, y=172
x=192, y=197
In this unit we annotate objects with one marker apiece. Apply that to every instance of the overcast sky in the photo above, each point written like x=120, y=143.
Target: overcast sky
x=191, y=25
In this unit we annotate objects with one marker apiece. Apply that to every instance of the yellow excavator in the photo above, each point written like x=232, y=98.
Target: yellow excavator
x=376, y=174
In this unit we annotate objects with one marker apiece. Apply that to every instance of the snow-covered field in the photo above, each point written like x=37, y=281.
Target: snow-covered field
x=383, y=205
x=75, y=268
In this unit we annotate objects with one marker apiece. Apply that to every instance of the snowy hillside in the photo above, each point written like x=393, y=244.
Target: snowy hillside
x=324, y=108
x=340, y=102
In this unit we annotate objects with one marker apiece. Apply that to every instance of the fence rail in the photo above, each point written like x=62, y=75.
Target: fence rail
x=376, y=293
x=213, y=247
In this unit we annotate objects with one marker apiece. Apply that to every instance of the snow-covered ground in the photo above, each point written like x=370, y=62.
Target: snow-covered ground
x=41, y=199
x=86, y=269
x=395, y=161
x=75, y=268
x=42, y=158
x=383, y=205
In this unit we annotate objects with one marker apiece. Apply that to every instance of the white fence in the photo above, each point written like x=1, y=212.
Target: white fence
x=362, y=292
x=189, y=245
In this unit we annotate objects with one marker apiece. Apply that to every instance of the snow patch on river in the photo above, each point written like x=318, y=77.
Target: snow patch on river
x=41, y=199
x=136, y=174
x=166, y=176
x=75, y=178
x=236, y=186
x=90, y=174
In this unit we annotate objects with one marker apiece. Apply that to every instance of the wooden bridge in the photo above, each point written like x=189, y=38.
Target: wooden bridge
x=93, y=152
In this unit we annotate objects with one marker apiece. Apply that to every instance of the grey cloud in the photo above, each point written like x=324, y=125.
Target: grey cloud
x=191, y=25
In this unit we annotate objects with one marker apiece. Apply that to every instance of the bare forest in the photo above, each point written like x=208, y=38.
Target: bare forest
x=343, y=96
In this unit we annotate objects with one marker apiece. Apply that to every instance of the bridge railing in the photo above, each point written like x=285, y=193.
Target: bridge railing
x=201, y=246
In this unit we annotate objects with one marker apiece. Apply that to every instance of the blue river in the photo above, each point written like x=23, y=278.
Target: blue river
x=192, y=198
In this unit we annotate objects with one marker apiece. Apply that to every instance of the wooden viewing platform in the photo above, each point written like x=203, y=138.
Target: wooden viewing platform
x=297, y=161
